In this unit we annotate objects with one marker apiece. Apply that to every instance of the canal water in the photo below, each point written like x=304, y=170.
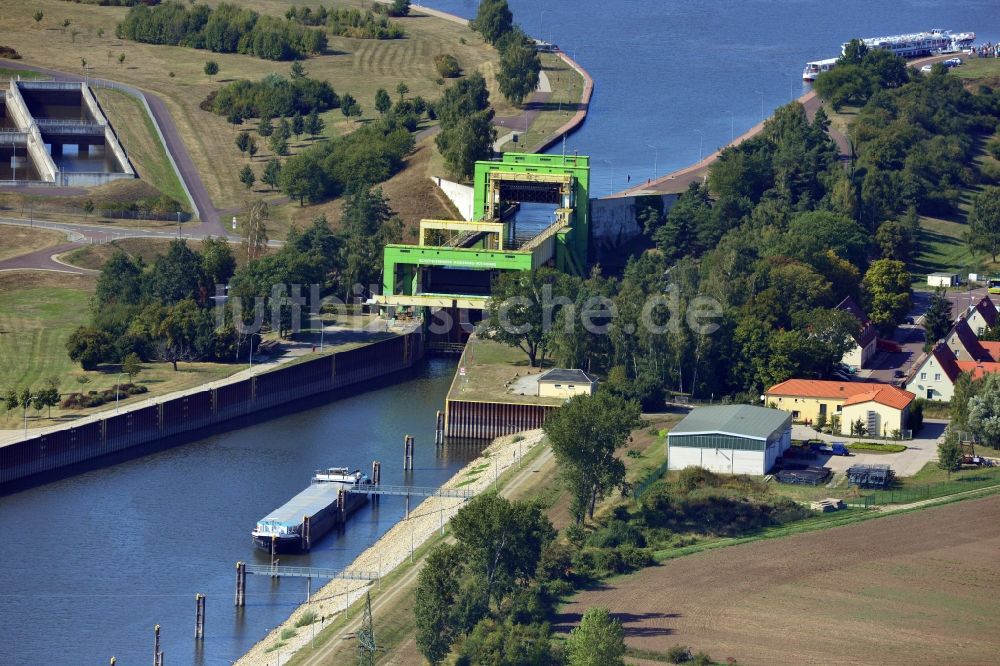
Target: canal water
x=92, y=562
x=677, y=79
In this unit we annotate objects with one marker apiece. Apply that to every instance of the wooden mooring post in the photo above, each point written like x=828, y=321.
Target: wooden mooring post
x=241, y=584
x=408, y=453
x=439, y=429
x=376, y=478
x=199, y=616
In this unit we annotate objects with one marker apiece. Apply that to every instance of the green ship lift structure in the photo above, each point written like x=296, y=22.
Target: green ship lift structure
x=455, y=262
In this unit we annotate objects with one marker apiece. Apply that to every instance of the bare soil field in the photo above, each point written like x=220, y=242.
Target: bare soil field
x=917, y=588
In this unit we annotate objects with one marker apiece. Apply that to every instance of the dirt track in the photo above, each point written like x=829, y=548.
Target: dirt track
x=918, y=588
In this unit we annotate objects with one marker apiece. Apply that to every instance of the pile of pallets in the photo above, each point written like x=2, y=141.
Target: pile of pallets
x=870, y=476
x=828, y=504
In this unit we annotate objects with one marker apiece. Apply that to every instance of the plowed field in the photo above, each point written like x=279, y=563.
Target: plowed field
x=918, y=588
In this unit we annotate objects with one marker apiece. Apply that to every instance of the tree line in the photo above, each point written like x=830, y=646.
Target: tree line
x=228, y=28
x=520, y=65
x=273, y=96
x=351, y=22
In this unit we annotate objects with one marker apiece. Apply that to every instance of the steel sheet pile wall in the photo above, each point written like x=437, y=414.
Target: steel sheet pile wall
x=488, y=420
x=120, y=432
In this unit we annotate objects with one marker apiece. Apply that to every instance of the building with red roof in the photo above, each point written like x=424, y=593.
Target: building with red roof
x=883, y=409
x=865, y=339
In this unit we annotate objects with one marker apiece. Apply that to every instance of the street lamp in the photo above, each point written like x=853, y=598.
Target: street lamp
x=541, y=23
x=656, y=159
x=610, y=164
x=732, y=126
x=117, y=383
x=761, y=104
x=701, y=143
x=26, y=403
x=178, y=224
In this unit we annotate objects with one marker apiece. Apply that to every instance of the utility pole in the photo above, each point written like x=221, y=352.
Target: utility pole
x=366, y=636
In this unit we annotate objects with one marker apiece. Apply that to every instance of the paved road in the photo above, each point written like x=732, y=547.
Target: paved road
x=207, y=212
x=920, y=450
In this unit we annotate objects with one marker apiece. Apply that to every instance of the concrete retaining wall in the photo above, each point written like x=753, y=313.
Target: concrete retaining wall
x=489, y=420
x=185, y=415
x=614, y=222
x=462, y=196
x=90, y=178
x=17, y=110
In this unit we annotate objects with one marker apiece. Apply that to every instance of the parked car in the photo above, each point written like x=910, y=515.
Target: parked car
x=926, y=68
x=899, y=374
x=909, y=321
x=952, y=62
x=835, y=449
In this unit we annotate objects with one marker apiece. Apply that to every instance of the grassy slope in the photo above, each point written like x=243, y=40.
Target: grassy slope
x=15, y=241
x=136, y=132
x=38, y=312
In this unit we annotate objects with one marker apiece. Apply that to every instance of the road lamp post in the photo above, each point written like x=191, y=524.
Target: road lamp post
x=178, y=224
x=541, y=23
x=656, y=159
x=761, y=93
x=611, y=164
x=732, y=126
x=701, y=143
x=117, y=384
x=26, y=403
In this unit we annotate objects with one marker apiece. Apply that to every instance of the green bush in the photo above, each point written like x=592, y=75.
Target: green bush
x=447, y=65
x=616, y=533
x=993, y=148
x=306, y=619
x=702, y=659
x=989, y=171
x=679, y=654
x=98, y=398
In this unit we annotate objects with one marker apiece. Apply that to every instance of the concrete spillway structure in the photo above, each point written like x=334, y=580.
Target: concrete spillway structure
x=62, y=131
x=456, y=261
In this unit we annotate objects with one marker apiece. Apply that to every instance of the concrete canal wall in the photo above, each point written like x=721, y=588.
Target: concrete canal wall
x=175, y=420
x=465, y=419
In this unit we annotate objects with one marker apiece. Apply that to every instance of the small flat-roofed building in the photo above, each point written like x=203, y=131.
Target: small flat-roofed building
x=942, y=280
x=730, y=439
x=562, y=383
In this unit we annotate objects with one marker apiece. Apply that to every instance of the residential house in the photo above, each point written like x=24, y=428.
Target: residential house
x=933, y=375
x=982, y=316
x=865, y=340
x=964, y=344
x=561, y=383
x=883, y=408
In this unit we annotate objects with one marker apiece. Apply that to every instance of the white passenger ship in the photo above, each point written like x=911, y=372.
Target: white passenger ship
x=914, y=45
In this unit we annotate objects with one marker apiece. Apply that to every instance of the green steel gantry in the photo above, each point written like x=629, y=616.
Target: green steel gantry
x=485, y=243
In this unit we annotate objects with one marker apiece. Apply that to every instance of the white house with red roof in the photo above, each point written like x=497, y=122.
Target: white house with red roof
x=934, y=374
x=964, y=344
x=982, y=316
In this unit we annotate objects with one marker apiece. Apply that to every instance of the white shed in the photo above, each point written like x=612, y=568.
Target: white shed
x=942, y=280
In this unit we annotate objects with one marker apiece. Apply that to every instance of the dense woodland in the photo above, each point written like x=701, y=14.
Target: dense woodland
x=228, y=28
x=348, y=22
x=781, y=233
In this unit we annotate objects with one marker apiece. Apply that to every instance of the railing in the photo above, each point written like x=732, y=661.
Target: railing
x=412, y=491
x=309, y=572
x=643, y=486
x=48, y=85
x=13, y=136
x=48, y=127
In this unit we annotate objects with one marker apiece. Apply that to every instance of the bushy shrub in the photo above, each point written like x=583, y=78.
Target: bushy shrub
x=273, y=96
x=98, y=398
x=993, y=148
x=447, y=65
x=990, y=172
x=617, y=533
x=679, y=654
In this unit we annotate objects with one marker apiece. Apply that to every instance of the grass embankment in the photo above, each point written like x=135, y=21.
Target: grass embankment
x=15, y=241
x=142, y=144
x=492, y=370
x=563, y=103
x=94, y=257
x=36, y=204
x=38, y=312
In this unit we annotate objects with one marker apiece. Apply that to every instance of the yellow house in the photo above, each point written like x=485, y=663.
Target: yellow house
x=882, y=408
x=560, y=383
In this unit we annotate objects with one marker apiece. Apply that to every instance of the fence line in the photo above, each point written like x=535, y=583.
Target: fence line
x=643, y=486
x=982, y=479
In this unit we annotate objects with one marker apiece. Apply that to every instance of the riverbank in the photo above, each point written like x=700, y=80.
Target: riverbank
x=392, y=550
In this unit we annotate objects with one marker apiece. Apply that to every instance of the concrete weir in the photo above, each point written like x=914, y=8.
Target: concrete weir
x=66, y=136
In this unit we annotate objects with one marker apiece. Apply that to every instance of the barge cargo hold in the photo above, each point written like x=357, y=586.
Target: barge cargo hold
x=333, y=495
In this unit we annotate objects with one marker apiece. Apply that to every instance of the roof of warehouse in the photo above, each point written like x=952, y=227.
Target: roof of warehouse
x=739, y=420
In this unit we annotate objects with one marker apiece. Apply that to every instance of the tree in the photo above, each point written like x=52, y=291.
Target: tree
x=88, y=346
x=369, y=225
x=121, y=58
x=984, y=411
x=598, y=641
x=243, y=141
x=65, y=24
x=264, y=127
x=984, y=222
x=132, y=366
x=314, y=124
x=382, y=101
x=302, y=177
x=284, y=130
x=251, y=148
x=272, y=173
x=298, y=125
x=437, y=589
x=520, y=311
x=298, y=71
x=585, y=433
x=39, y=15
x=402, y=89
x=177, y=275
x=519, y=67
x=894, y=240
x=247, y=177
x=950, y=452
x=217, y=260
x=399, y=8
x=279, y=145
x=83, y=64
x=887, y=293
x=211, y=68
x=493, y=20
x=854, y=53
x=501, y=542
x=234, y=117
x=349, y=106
x=467, y=142
x=254, y=229
x=937, y=319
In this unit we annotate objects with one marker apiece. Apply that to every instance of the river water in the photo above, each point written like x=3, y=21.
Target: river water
x=92, y=562
x=678, y=79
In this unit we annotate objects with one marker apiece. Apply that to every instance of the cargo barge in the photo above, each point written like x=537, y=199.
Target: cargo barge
x=333, y=495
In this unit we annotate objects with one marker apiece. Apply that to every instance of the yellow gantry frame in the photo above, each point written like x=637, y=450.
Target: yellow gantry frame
x=497, y=228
